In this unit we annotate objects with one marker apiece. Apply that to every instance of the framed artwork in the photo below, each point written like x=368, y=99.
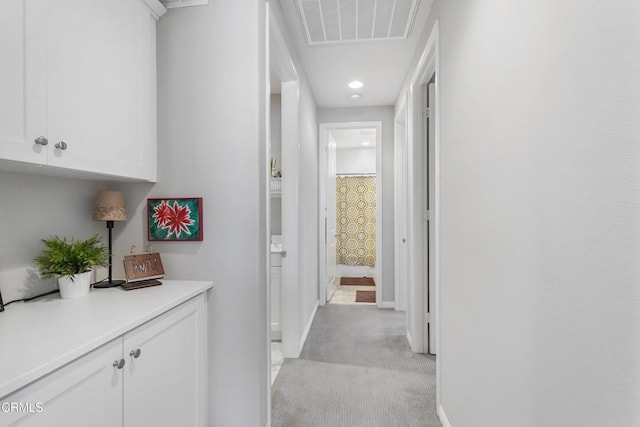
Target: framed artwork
x=177, y=220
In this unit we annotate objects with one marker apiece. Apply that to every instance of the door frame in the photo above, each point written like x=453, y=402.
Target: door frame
x=400, y=214
x=428, y=65
x=324, y=129
x=280, y=62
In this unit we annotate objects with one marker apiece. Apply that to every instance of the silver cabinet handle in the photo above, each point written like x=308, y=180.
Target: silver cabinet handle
x=119, y=363
x=61, y=145
x=41, y=140
x=135, y=353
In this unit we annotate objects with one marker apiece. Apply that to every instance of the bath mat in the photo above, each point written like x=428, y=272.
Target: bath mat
x=357, y=281
x=365, y=296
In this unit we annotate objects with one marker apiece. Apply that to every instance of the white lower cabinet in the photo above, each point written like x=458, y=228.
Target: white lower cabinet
x=86, y=392
x=153, y=375
x=165, y=370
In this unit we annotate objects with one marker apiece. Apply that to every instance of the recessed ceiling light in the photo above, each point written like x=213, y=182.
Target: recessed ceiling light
x=366, y=143
x=356, y=84
x=356, y=96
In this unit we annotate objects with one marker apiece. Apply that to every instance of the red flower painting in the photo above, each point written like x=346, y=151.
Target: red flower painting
x=175, y=219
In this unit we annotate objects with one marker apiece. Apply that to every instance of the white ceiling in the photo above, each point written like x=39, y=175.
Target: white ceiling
x=380, y=64
x=353, y=138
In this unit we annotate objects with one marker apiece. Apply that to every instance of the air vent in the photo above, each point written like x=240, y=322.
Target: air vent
x=171, y=4
x=334, y=21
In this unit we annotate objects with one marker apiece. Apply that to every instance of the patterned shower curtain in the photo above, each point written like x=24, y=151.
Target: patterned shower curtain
x=356, y=220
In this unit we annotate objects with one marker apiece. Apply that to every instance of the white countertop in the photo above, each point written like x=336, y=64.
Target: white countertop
x=43, y=335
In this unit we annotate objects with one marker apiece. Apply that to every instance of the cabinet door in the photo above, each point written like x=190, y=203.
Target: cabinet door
x=165, y=384
x=86, y=392
x=101, y=86
x=22, y=81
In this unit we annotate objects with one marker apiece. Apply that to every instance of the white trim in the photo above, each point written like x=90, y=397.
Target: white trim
x=266, y=189
x=443, y=417
x=400, y=144
x=322, y=171
x=156, y=8
x=172, y=4
x=428, y=64
x=308, y=327
x=323, y=143
x=279, y=60
x=387, y=305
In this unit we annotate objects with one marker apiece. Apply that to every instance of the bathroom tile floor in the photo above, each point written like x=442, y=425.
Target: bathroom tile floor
x=347, y=295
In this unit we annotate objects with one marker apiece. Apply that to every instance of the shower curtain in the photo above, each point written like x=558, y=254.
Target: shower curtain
x=356, y=220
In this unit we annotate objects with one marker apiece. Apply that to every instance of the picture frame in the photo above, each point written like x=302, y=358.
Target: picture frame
x=139, y=267
x=174, y=219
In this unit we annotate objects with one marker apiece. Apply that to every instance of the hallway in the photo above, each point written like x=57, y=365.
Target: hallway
x=356, y=369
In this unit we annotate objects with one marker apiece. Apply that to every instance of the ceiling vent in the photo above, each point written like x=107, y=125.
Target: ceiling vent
x=170, y=4
x=335, y=21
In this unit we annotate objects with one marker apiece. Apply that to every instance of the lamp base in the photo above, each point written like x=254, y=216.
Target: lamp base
x=109, y=284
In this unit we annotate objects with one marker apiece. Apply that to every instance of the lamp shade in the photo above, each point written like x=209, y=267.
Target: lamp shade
x=109, y=207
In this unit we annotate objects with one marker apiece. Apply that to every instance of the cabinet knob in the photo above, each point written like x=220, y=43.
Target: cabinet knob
x=135, y=353
x=41, y=140
x=119, y=363
x=61, y=145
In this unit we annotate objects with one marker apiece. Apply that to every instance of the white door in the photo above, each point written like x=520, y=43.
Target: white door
x=430, y=335
x=330, y=209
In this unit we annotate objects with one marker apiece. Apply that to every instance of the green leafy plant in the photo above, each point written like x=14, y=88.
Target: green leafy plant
x=68, y=258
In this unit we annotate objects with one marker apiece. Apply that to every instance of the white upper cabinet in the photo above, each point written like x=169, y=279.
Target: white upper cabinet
x=79, y=89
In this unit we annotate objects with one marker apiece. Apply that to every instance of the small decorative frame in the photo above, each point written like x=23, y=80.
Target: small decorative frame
x=139, y=267
x=177, y=219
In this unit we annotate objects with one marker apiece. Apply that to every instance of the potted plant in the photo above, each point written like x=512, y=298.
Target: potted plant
x=71, y=262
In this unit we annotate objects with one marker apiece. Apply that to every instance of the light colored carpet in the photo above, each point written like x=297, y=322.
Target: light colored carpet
x=356, y=369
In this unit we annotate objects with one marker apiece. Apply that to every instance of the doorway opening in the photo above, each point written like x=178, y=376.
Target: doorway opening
x=351, y=213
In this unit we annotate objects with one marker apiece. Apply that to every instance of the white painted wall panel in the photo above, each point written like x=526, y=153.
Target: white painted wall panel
x=212, y=143
x=35, y=207
x=539, y=212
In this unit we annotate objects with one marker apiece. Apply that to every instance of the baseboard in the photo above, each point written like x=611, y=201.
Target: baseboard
x=443, y=417
x=387, y=305
x=308, y=327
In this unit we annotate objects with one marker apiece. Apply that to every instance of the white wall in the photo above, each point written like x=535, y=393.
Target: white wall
x=309, y=269
x=385, y=115
x=355, y=160
x=212, y=100
x=540, y=208
x=300, y=297
x=35, y=207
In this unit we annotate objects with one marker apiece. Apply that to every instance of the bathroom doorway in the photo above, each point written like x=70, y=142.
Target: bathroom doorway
x=351, y=214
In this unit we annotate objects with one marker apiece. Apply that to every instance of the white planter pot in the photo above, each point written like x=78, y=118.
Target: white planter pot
x=78, y=287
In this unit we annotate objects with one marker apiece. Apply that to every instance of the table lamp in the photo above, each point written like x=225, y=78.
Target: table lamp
x=109, y=207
